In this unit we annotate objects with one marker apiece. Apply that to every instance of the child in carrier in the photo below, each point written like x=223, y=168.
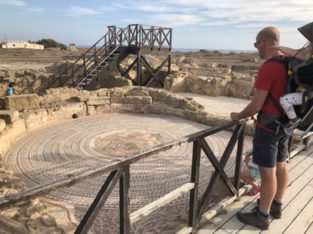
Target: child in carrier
x=289, y=100
x=296, y=98
x=251, y=176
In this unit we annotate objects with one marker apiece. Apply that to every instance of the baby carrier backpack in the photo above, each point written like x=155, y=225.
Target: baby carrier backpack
x=300, y=79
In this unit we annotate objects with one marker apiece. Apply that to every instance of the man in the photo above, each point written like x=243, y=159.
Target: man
x=270, y=143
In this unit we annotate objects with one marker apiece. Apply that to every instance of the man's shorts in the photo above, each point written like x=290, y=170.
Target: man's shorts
x=269, y=147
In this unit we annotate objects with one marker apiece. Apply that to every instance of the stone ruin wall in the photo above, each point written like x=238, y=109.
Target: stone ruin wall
x=187, y=75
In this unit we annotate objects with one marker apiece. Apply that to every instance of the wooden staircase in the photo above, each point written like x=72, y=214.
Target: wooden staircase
x=112, y=49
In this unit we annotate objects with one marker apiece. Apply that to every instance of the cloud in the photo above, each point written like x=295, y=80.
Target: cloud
x=37, y=9
x=22, y=3
x=175, y=20
x=77, y=11
x=13, y=2
x=222, y=12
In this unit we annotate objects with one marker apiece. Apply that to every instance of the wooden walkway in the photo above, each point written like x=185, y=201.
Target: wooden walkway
x=297, y=205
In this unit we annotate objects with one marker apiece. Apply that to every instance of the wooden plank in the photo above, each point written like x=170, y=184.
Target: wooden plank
x=146, y=210
x=220, y=231
x=304, y=219
x=124, y=201
x=185, y=230
x=310, y=228
x=193, y=196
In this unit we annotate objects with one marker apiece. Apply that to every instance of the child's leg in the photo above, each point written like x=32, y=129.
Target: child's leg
x=288, y=101
x=245, y=175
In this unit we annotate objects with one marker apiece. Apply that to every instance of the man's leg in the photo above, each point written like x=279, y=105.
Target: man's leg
x=268, y=187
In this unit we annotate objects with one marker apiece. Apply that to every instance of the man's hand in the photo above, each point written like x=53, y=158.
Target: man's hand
x=234, y=116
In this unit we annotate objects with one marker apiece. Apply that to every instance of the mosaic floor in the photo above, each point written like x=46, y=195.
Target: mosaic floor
x=88, y=142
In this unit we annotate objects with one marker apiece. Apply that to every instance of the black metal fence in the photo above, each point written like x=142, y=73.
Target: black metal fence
x=101, y=53
x=141, y=35
x=119, y=175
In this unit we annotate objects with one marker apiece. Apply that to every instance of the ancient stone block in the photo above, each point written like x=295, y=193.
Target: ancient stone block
x=35, y=118
x=117, y=97
x=145, y=100
x=22, y=102
x=125, y=108
x=137, y=92
x=98, y=101
x=9, y=116
x=49, y=100
x=2, y=103
x=103, y=92
x=92, y=110
x=2, y=125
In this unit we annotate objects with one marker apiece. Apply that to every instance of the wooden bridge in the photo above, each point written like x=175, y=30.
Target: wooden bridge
x=111, y=50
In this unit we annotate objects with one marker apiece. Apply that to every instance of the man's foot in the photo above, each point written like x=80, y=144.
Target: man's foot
x=291, y=125
x=275, y=210
x=254, y=218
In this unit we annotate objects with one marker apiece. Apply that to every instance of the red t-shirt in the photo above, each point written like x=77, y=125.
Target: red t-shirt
x=271, y=77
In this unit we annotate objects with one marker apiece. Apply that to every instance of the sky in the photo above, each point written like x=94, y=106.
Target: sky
x=197, y=24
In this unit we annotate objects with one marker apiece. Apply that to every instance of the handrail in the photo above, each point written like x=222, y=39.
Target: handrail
x=119, y=171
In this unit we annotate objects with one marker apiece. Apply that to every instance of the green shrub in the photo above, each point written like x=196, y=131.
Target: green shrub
x=50, y=43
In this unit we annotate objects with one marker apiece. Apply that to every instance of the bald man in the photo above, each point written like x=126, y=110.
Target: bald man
x=270, y=143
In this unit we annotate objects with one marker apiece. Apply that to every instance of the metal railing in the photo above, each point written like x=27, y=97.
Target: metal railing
x=119, y=174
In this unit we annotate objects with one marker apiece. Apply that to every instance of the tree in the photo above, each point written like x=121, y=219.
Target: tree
x=50, y=43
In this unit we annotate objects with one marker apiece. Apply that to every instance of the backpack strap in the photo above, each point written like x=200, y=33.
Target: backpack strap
x=285, y=62
x=276, y=104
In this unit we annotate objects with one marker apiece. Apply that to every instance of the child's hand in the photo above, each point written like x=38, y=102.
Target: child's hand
x=247, y=159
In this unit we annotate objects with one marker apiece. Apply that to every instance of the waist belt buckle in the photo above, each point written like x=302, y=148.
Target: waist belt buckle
x=277, y=129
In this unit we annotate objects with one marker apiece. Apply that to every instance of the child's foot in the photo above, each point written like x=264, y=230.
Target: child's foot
x=254, y=191
x=291, y=125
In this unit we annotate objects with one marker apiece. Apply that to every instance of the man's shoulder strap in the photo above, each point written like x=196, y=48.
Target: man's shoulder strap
x=276, y=104
x=282, y=60
x=285, y=62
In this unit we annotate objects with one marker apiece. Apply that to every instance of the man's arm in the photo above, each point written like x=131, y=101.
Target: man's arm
x=253, y=107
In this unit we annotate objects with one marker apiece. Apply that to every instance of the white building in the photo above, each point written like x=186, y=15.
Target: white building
x=20, y=45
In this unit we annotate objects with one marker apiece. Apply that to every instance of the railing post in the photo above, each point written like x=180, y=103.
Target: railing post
x=152, y=36
x=124, y=202
x=169, y=64
x=238, y=157
x=160, y=37
x=139, y=68
x=112, y=34
x=121, y=36
x=195, y=168
x=85, y=70
x=95, y=55
x=140, y=35
x=170, y=39
x=72, y=70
